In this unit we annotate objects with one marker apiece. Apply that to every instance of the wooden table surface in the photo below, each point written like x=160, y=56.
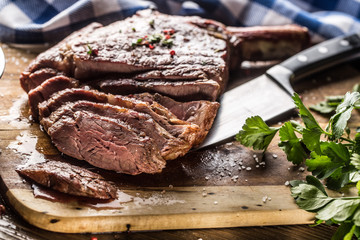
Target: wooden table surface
x=313, y=89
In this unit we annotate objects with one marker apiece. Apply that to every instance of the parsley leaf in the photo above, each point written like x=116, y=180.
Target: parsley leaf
x=357, y=143
x=331, y=102
x=313, y=131
x=330, y=163
x=291, y=144
x=310, y=196
x=305, y=114
x=256, y=133
x=355, y=161
x=336, y=160
x=328, y=106
x=338, y=122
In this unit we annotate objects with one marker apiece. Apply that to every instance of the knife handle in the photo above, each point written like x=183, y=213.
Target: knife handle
x=315, y=59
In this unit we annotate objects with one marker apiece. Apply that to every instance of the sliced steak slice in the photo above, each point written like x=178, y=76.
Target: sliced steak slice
x=170, y=146
x=46, y=89
x=201, y=113
x=182, y=90
x=106, y=143
x=33, y=79
x=176, y=127
x=69, y=179
x=69, y=95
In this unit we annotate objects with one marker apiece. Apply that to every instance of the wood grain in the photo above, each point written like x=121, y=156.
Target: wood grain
x=200, y=169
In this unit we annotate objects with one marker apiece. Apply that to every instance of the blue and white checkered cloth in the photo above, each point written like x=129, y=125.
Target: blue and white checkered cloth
x=48, y=21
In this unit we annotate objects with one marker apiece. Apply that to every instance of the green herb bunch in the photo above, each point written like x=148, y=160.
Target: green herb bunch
x=331, y=154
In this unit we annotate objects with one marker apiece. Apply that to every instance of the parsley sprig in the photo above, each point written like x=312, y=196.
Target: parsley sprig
x=330, y=154
x=331, y=102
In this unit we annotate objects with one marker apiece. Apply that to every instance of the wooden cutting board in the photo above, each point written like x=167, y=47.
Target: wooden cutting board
x=204, y=189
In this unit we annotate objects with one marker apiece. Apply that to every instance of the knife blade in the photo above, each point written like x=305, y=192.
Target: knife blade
x=269, y=95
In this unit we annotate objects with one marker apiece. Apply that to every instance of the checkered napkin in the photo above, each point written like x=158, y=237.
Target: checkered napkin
x=48, y=21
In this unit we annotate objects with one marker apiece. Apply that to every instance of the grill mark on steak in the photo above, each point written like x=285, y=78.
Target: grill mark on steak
x=70, y=179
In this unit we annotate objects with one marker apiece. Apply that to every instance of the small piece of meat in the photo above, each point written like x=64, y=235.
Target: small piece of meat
x=106, y=143
x=69, y=179
x=263, y=43
x=46, y=89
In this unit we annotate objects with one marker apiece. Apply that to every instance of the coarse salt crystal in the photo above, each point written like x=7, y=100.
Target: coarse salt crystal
x=287, y=183
x=248, y=169
x=275, y=156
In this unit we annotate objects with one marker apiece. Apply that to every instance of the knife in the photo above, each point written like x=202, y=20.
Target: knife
x=269, y=95
x=2, y=62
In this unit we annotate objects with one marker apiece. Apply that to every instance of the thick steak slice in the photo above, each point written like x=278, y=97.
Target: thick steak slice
x=46, y=89
x=33, y=79
x=70, y=179
x=69, y=95
x=170, y=146
x=106, y=143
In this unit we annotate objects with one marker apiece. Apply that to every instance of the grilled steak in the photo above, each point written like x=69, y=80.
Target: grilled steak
x=170, y=67
x=70, y=179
